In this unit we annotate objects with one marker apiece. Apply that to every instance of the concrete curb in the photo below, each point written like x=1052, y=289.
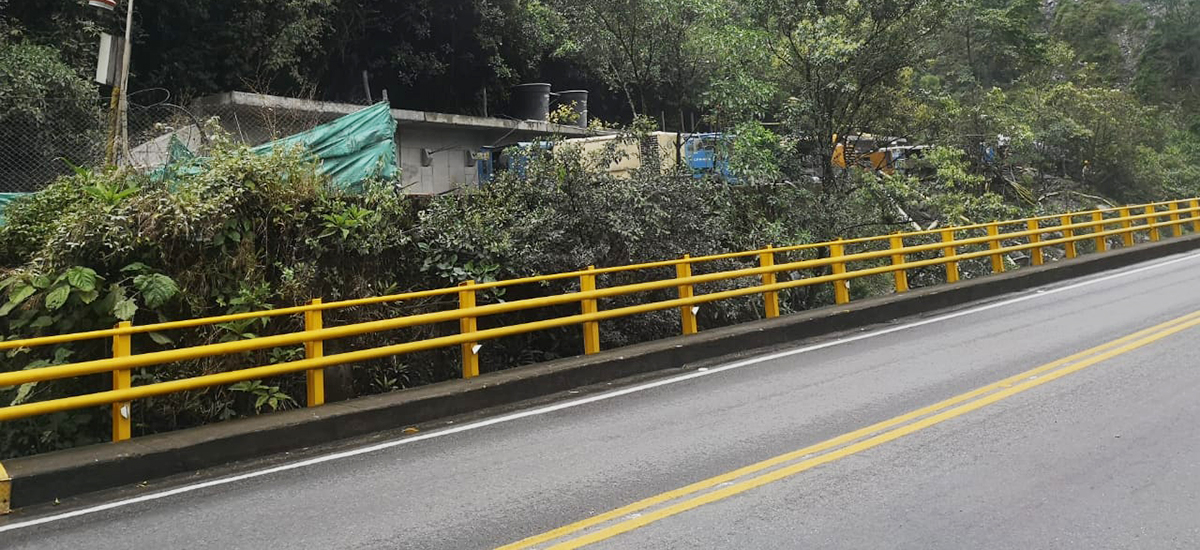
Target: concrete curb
x=72, y=472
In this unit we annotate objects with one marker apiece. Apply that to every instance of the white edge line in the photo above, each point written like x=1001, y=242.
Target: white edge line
x=576, y=402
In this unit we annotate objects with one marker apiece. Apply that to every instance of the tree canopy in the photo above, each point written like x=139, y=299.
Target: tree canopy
x=651, y=57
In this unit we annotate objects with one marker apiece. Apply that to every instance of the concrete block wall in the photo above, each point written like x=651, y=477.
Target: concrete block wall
x=448, y=167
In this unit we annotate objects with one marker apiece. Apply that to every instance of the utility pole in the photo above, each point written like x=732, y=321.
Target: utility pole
x=116, y=147
x=113, y=135
x=124, y=105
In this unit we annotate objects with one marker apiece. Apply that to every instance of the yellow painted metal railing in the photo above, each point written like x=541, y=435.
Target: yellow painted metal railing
x=880, y=255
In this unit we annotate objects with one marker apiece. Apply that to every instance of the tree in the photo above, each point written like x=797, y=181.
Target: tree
x=650, y=51
x=71, y=28
x=1105, y=34
x=49, y=115
x=987, y=43
x=838, y=61
x=198, y=47
x=436, y=54
x=1169, y=70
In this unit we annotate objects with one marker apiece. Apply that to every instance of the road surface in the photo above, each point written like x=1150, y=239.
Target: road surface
x=905, y=435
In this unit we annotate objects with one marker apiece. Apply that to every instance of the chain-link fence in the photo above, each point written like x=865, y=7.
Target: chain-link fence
x=40, y=143
x=42, y=139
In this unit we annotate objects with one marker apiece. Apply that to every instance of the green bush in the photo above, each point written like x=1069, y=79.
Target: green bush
x=49, y=114
x=246, y=233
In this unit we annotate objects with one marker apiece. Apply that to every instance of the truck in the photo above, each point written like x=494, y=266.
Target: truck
x=697, y=155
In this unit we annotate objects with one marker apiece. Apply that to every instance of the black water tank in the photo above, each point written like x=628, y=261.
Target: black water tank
x=577, y=99
x=531, y=101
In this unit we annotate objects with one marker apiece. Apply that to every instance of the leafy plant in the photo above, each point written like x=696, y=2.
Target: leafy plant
x=265, y=396
x=564, y=114
x=345, y=221
x=111, y=193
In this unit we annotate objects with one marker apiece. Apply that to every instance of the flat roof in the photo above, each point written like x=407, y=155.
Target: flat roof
x=404, y=117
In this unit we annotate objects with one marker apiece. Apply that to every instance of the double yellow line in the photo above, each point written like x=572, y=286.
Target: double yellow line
x=629, y=517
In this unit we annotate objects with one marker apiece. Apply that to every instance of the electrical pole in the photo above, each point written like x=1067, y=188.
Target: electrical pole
x=124, y=100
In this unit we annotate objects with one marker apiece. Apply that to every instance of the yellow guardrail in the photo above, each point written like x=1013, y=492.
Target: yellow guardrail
x=997, y=238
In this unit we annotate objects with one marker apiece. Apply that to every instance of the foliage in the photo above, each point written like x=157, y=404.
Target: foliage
x=1107, y=35
x=563, y=214
x=942, y=188
x=730, y=61
x=209, y=45
x=70, y=28
x=265, y=396
x=649, y=51
x=48, y=114
x=564, y=114
x=987, y=43
x=1169, y=69
x=436, y=54
x=756, y=153
x=837, y=62
x=249, y=231
x=741, y=86
x=1172, y=170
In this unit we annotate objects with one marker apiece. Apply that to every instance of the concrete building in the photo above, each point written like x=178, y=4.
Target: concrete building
x=438, y=151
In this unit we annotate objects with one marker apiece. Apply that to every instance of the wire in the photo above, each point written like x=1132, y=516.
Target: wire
x=166, y=96
x=195, y=121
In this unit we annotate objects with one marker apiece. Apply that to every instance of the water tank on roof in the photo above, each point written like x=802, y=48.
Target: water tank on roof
x=531, y=101
x=578, y=100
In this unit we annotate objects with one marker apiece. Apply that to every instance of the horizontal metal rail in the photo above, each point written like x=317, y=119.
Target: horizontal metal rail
x=358, y=302
x=1096, y=227
x=358, y=329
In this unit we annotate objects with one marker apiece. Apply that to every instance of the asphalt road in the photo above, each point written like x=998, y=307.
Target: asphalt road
x=1098, y=451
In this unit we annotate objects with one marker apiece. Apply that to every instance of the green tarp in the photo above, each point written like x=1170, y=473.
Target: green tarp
x=6, y=198
x=351, y=149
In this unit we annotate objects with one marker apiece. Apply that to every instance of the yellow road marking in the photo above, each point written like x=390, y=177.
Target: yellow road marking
x=1007, y=387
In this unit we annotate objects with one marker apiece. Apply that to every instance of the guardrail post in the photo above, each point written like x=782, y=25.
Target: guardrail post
x=122, y=347
x=1071, y=249
x=1127, y=236
x=1174, y=208
x=1152, y=221
x=314, y=378
x=993, y=231
x=1097, y=227
x=841, y=287
x=770, y=297
x=467, y=325
x=901, y=275
x=686, y=313
x=949, y=252
x=5, y=492
x=1035, y=253
x=1194, y=204
x=591, y=329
